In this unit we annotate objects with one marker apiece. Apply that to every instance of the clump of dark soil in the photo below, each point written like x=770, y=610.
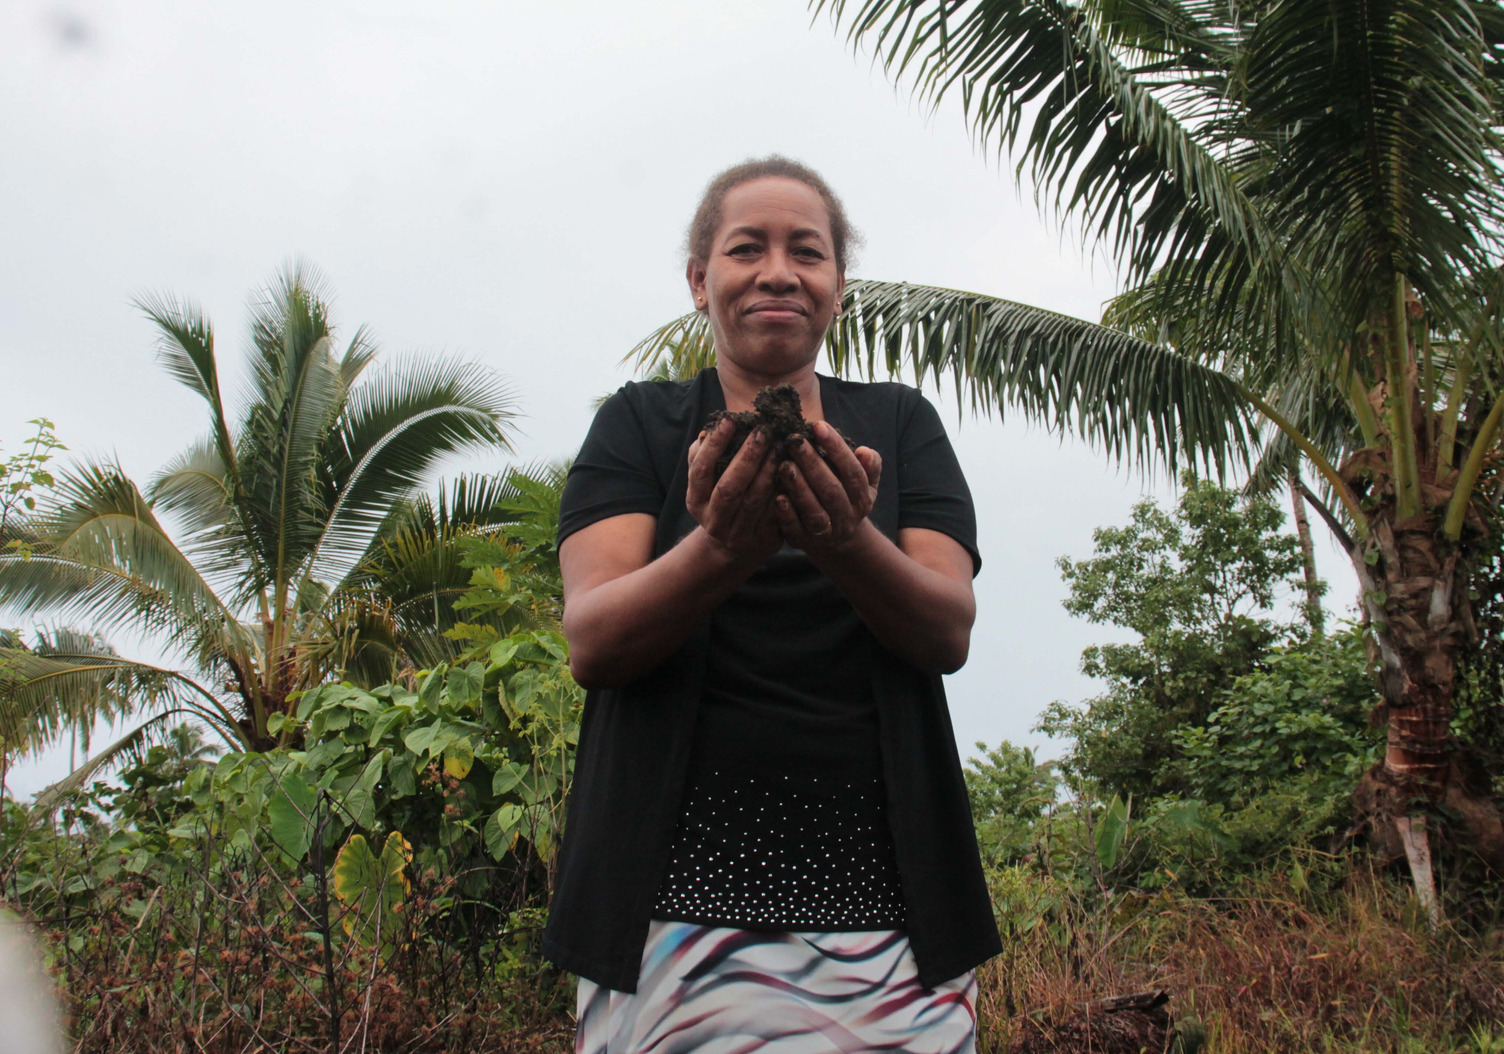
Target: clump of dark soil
x=778, y=412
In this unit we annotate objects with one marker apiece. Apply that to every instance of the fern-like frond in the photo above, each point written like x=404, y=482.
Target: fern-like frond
x=397, y=427
x=1141, y=402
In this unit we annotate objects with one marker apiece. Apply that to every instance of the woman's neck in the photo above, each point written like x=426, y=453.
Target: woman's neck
x=739, y=386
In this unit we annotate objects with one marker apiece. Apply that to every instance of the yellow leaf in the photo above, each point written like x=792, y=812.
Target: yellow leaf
x=459, y=758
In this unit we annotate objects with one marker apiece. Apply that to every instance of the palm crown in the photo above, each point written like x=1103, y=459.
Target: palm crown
x=265, y=584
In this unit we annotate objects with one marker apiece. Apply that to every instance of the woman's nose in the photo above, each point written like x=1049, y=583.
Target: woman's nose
x=778, y=273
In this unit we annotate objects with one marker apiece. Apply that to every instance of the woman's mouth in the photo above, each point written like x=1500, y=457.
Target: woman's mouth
x=777, y=311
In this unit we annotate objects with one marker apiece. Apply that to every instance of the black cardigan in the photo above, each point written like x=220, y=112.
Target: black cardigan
x=635, y=745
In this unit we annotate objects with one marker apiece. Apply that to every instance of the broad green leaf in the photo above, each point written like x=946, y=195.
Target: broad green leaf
x=290, y=814
x=465, y=684
x=401, y=773
x=431, y=688
x=372, y=888
x=386, y=721
x=502, y=651
x=359, y=700
x=308, y=701
x=540, y=788
x=359, y=802
x=1112, y=828
x=501, y=829
x=419, y=739
x=555, y=645
x=507, y=777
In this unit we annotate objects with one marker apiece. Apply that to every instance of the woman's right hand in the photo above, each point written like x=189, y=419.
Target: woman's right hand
x=735, y=511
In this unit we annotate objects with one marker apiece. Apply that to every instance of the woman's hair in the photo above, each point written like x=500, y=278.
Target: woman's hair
x=708, y=216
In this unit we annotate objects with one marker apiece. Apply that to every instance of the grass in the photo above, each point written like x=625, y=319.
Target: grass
x=231, y=958
x=1351, y=970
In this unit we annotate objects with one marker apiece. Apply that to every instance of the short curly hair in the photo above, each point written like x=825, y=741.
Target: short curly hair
x=708, y=216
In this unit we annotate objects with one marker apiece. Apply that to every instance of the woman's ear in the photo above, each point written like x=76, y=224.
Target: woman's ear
x=694, y=273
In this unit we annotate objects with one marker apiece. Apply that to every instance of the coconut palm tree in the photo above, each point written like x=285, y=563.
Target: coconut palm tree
x=1309, y=193
x=263, y=585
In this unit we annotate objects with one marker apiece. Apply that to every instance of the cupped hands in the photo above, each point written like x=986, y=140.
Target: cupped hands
x=736, y=510
x=822, y=501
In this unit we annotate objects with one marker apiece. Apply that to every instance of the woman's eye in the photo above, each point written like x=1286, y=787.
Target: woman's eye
x=745, y=249
x=808, y=253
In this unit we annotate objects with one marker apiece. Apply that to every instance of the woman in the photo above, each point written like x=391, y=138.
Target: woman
x=768, y=843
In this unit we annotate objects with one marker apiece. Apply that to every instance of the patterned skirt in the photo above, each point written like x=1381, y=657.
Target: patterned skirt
x=715, y=990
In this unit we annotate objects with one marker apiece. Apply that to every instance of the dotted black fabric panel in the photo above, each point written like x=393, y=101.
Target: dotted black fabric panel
x=764, y=850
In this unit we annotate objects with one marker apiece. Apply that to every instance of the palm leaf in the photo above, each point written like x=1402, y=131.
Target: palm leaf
x=296, y=395
x=1389, y=163
x=416, y=572
x=396, y=429
x=196, y=487
x=186, y=348
x=130, y=748
x=69, y=681
x=1105, y=141
x=101, y=557
x=1240, y=149
x=1139, y=401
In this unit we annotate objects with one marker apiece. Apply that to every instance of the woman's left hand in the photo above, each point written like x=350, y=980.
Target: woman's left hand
x=820, y=505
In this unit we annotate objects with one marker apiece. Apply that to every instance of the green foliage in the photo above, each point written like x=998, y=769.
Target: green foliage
x=1009, y=792
x=1197, y=587
x=277, y=509
x=399, y=838
x=1304, y=713
x=22, y=476
x=477, y=759
x=284, y=952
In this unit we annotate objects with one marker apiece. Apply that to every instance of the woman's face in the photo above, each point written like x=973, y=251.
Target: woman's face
x=771, y=284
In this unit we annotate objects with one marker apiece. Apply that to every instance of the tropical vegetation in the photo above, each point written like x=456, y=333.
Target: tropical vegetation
x=289, y=545
x=381, y=878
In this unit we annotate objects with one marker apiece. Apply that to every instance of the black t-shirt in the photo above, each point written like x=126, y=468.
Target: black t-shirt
x=786, y=686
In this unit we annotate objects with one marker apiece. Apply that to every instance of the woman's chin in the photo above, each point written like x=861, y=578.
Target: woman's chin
x=774, y=358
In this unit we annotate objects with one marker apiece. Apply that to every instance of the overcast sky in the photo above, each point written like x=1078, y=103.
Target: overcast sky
x=508, y=182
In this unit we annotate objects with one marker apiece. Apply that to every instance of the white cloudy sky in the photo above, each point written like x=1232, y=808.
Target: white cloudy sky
x=507, y=181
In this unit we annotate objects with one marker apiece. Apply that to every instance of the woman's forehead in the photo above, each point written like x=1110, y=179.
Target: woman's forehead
x=775, y=200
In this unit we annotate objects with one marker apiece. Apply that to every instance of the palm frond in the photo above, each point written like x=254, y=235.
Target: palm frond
x=101, y=557
x=1140, y=402
x=360, y=353
x=130, y=748
x=1389, y=160
x=186, y=348
x=417, y=567
x=68, y=681
x=197, y=488
x=677, y=350
x=1281, y=163
x=397, y=427
x=1103, y=143
x=296, y=395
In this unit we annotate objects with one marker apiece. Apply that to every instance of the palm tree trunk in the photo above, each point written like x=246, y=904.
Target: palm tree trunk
x=1416, y=595
x=1314, y=613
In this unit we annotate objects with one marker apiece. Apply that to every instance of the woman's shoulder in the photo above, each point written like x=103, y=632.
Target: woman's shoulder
x=657, y=403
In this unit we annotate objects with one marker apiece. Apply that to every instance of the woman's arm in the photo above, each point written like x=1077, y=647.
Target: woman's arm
x=915, y=596
x=624, y=612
